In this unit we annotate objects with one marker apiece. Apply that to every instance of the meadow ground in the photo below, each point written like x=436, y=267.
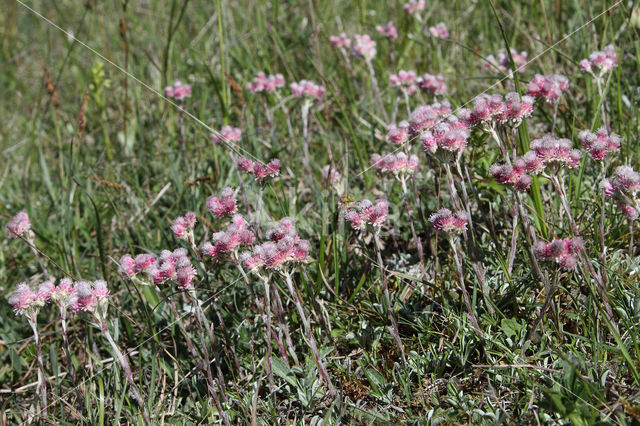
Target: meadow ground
x=191, y=241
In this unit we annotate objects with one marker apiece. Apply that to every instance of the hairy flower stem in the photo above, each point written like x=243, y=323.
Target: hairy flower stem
x=603, y=247
x=555, y=116
x=181, y=124
x=282, y=323
x=503, y=149
x=266, y=319
x=306, y=106
x=455, y=199
x=406, y=101
x=416, y=239
x=309, y=332
x=602, y=102
x=67, y=348
x=630, y=238
x=42, y=384
x=389, y=308
x=127, y=371
x=514, y=240
x=465, y=195
x=457, y=255
x=376, y=89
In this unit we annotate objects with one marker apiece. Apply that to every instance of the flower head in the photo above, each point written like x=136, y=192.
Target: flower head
x=227, y=134
x=259, y=170
x=179, y=91
x=439, y=31
x=389, y=31
x=563, y=252
x=183, y=226
x=447, y=221
x=406, y=80
x=516, y=109
x=367, y=213
x=599, y=144
x=340, y=40
x=20, y=226
x=265, y=83
x=414, y=6
x=397, y=164
x=330, y=174
x=548, y=87
x=503, y=63
x=363, y=47
x=398, y=135
x=307, y=89
x=224, y=242
x=600, y=62
x=223, y=205
x=432, y=83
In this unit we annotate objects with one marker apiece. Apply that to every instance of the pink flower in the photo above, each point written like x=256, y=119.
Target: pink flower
x=340, y=40
x=307, y=89
x=439, y=31
x=432, y=83
x=236, y=234
x=414, y=6
x=563, y=252
x=425, y=117
x=389, y=31
x=550, y=150
x=23, y=299
x=144, y=261
x=446, y=221
x=548, y=87
x=178, y=91
x=599, y=144
x=20, y=226
x=330, y=174
x=264, y=83
x=398, y=164
x=227, y=134
x=503, y=62
x=366, y=213
x=259, y=170
x=398, y=135
x=516, y=109
x=626, y=179
x=600, y=62
x=363, y=47
x=224, y=205
x=183, y=226
x=406, y=80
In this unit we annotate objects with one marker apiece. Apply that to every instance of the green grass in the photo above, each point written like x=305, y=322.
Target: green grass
x=117, y=189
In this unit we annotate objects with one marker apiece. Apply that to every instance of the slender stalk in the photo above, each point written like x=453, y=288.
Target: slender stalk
x=455, y=199
x=282, y=323
x=457, y=255
x=514, y=240
x=376, y=89
x=306, y=106
x=127, y=371
x=67, y=348
x=406, y=101
x=309, y=332
x=42, y=384
x=395, y=332
x=465, y=195
x=416, y=239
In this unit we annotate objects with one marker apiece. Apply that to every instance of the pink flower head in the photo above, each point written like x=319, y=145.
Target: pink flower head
x=364, y=47
x=550, y=150
x=227, y=134
x=84, y=299
x=330, y=174
x=144, y=262
x=487, y=110
x=512, y=175
x=178, y=91
x=503, y=63
x=183, y=226
x=24, y=300
x=307, y=89
x=260, y=171
x=227, y=241
x=63, y=294
x=367, y=213
x=599, y=144
x=340, y=40
x=600, y=62
x=563, y=252
x=432, y=83
x=548, y=87
x=20, y=226
x=283, y=228
x=425, y=117
x=389, y=31
x=398, y=135
x=450, y=135
x=264, y=83
x=626, y=180
x=405, y=80
x=398, y=164
x=516, y=109
x=445, y=220
x=439, y=31
x=225, y=205
x=127, y=268
x=608, y=188
x=414, y=6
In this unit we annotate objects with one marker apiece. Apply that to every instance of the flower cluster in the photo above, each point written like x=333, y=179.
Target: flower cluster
x=548, y=87
x=447, y=221
x=227, y=134
x=600, y=62
x=170, y=266
x=432, y=83
x=549, y=150
x=20, y=226
x=563, y=252
x=450, y=135
x=285, y=248
x=223, y=205
x=367, y=213
x=439, y=31
x=398, y=135
x=227, y=241
x=259, y=170
x=414, y=6
x=265, y=83
x=330, y=174
x=178, y=91
x=307, y=89
x=183, y=226
x=363, y=47
x=599, y=144
x=389, y=31
x=491, y=109
x=514, y=175
x=516, y=109
x=78, y=296
x=503, y=63
x=398, y=164
x=623, y=188
x=425, y=117
x=406, y=80
x=340, y=40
